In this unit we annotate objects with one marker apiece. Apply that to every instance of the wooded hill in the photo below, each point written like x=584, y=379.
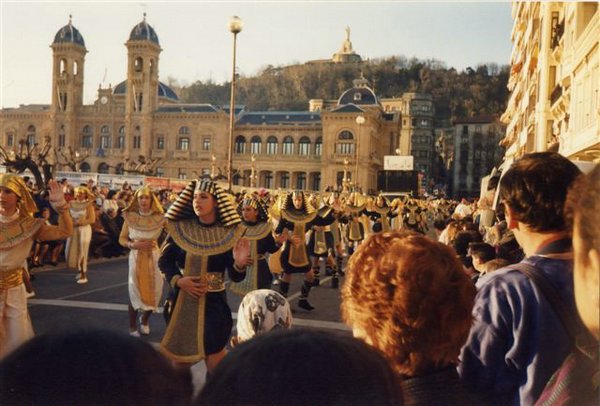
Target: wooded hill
x=481, y=90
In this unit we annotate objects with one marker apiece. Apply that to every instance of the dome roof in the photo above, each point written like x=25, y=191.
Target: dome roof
x=358, y=96
x=143, y=32
x=163, y=90
x=68, y=33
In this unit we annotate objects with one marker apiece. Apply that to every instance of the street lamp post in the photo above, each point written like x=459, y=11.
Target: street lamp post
x=345, y=178
x=253, y=172
x=213, y=172
x=360, y=120
x=235, y=26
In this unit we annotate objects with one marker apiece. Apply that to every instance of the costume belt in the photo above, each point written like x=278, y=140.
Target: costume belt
x=327, y=229
x=11, y=278
x=216, y=281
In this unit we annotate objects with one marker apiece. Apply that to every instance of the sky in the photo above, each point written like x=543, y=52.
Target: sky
x=197, y=45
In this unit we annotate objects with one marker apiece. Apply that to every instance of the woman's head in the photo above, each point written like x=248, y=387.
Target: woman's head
x=583, y=212
x=91, y=367
x=82, y=193
x=302, y=367
x=409, y=297
x=14, y=195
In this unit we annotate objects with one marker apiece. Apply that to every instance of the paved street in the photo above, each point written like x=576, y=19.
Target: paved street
x=62, y=303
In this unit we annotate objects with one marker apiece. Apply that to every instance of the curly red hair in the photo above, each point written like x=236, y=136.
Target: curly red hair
x=410, y=298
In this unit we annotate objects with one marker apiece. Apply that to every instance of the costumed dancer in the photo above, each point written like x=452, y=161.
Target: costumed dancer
x=297, y=217
x=413, y=218
x=143, y=225
x=381, y=214
x=19, y=231
x=259, y=232
x=355, y=230
x=78, y=244
x=320, y=243
x=204, y=242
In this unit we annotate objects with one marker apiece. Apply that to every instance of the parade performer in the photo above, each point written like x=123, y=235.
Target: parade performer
x=320, y=243
x=143, y=226
x=78, y=244
x=204, y=242
x=413, y=218
x=297, y=217
x=19, y=230
x=259, y=232
x=354, y=211
x=381, y=214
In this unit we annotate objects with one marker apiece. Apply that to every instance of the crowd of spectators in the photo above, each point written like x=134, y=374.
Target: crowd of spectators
x=505, y=313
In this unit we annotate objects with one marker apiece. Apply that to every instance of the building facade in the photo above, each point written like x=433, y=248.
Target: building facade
x=476, y=153
x=141, y=119
x=555, y=80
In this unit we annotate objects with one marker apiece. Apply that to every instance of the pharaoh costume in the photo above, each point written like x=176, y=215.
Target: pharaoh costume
x=381, y=215
x=260, y=235
x=199, y=326
x=78, y=244
x=145, y=280
x=355, y=230
x=295, y=258
x=321, y=241
x=19, y=232
x=413, y=219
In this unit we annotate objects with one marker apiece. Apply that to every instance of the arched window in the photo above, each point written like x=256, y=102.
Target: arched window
x=86, y=137
x=272, y=145
x=345, y=144
x=304, y=146
x=31, y=135
x=288, y=145
x=120, y=169
x=85, y=167
x=269, y=180
x=255, y=145
x=105, y=137
x=121, y=138
x=75, y=68
x=285, y=180
x=62, y=69
x=319, y=147
x=61, y=136
x=137, y=137
x=138, y=64
x=103, y=167
x=240, y=144
x=184, y=130
x=301, y=181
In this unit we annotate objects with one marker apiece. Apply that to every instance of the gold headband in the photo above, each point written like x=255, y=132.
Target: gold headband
x=155, y=205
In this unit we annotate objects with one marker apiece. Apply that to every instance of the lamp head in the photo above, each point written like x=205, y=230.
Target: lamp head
x=235, y=25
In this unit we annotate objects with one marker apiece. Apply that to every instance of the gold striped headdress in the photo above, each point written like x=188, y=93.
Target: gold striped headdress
x=288, y=202
x=145, y=191
x=255, y=202
x=15, y=183
x=183, y=207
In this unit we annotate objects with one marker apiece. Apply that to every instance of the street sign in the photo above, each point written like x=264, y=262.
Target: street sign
x=398, y=162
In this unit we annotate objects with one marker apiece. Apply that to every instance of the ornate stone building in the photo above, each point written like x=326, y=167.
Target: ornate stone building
x=555, y=80
x=142, y=119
